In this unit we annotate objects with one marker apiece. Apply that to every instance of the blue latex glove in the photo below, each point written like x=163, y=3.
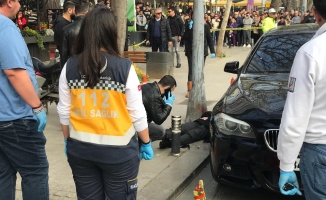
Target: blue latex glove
x=170, y=100
x=288, y=177
x=190, y=24
x=212, y=55
x=41, y=118
x=146, y=151
x=65, y=147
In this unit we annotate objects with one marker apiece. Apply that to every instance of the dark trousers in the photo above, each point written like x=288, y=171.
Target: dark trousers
x=22, y=149
x=157, y=44
x=99, y=181
x=192, y=132
x=189, y=58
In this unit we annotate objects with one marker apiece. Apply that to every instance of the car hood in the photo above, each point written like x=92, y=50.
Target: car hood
x=262, y=93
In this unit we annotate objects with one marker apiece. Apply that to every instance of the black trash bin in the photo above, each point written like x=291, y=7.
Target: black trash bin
x=159, y=64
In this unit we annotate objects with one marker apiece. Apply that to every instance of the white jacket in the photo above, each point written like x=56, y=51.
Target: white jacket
x=304, y=115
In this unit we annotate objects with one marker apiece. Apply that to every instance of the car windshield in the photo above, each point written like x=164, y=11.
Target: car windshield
x=276, y=53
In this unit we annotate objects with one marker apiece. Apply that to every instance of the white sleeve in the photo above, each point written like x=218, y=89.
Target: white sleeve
x=297, y=110
x=64, y=104
x=135, y=104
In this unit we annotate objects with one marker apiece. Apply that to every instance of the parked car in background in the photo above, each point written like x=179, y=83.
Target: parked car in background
x=246, y=120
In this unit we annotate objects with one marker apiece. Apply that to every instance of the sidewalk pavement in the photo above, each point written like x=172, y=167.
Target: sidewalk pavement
x=165, y=176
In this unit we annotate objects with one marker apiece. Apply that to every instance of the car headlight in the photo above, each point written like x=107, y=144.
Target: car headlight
x=231, y=126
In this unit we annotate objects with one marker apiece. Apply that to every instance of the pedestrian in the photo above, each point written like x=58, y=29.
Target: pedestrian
x=188, y=37
x=100, y=111
x=269, y=22
x=158, y=32
x=141, y=21
x=61, y=21
x=247, y=23
x=177, y=29
x=71, y=31
x=303, y=121
x=158, y=101
x=22, y=116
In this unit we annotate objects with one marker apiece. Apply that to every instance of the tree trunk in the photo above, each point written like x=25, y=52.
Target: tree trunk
x=221, y=35
x=197, y=100
x=119, y=9
x=290, y=5
x=309, y=4
x=276, y=4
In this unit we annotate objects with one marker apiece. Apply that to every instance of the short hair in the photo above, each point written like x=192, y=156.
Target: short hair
x=82, y=7
x=168, y=80
x=173, y=9
x=320, y=6
x=67, y=5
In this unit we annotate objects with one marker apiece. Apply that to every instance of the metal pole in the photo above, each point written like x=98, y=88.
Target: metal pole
x=176, y=131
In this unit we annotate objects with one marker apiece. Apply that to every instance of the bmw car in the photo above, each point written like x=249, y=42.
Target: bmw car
x=246, y=119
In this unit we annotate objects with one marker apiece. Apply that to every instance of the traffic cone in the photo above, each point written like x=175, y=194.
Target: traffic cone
x=144, y=80
x=199, y=192
x=232, y=80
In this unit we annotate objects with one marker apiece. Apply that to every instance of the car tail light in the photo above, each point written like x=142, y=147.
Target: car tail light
x=271, y=136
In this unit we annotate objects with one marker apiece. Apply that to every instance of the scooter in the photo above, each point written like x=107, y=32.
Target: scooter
x=47, y=76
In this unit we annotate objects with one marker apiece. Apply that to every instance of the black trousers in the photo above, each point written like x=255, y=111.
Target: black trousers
x=101, y=181
x=157, y=44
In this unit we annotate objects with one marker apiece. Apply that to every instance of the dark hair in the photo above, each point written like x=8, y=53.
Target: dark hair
x=82, y=7
x=67, y=5
x=320, y=6
x=98, y=30
x=168, y=80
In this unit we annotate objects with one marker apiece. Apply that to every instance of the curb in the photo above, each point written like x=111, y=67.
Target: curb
x=188, y=180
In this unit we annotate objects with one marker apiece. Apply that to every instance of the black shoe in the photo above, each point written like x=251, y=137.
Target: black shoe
x=178, y=66
x=165, y=143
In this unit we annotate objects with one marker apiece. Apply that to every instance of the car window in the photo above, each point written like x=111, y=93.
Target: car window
x=276, y=53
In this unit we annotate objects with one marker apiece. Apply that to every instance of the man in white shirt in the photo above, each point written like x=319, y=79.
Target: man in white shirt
x=303, y=124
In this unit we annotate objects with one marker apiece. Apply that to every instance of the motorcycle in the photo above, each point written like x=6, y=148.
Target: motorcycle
x=47, y=76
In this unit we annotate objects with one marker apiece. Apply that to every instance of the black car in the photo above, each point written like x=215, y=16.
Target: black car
x=246, y=120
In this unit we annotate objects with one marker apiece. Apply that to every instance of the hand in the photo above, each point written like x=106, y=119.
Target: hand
x=65, y=147
x=169, y=43
x=190, y=24
x=179, y=38
x=169, y=100
x=212, y=55
x=41, y=118
x=147, y=42
x=288, y=177
x=146, y=151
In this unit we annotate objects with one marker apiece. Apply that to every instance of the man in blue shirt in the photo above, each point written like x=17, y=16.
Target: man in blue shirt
x=22, y=117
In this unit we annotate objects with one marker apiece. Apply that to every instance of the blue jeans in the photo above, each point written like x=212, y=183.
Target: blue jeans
x=22, y=149
x=313, y=171
x=99, y=181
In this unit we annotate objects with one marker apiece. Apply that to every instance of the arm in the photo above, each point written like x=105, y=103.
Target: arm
x=168, y=31
x=161, y=111
x=135, y=106
x=295, y=121
x=182, y=27
x=64, y=104
x=64, y=48
x=22, y=83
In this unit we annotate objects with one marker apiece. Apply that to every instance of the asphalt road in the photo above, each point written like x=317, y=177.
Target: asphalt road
x=214, y=191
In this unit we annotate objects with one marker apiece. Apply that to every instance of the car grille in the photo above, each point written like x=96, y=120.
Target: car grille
x=271, y=136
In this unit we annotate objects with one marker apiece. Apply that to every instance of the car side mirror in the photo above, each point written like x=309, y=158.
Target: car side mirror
x=232, y=67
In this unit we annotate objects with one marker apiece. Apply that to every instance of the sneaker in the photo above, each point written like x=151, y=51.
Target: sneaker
x=244, y=45
x=249, y=45
x=178, y=65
